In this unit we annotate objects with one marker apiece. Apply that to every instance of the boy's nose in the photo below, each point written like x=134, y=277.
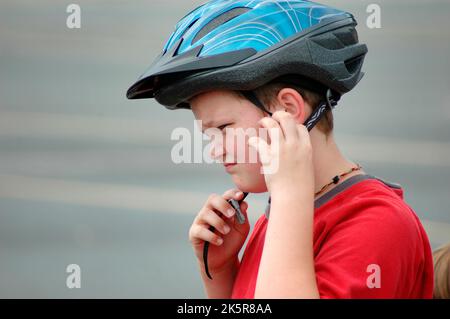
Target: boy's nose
x=217, y=151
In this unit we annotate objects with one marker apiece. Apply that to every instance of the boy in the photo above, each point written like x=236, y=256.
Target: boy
x=331, y=230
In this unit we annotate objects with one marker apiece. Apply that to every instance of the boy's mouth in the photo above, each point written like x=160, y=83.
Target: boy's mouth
x=228, y=166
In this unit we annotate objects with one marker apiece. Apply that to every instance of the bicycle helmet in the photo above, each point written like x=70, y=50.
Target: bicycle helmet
x=241, y=45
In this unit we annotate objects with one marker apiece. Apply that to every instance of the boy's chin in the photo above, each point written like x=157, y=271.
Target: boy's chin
x=249, y=184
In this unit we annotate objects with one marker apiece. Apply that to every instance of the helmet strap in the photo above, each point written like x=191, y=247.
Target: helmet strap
x=330, y=102
x=251, y=96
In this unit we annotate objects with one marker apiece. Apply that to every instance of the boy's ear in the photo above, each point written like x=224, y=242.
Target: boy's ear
x=292, y=101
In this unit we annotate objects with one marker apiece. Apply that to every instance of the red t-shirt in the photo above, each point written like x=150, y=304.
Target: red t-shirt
x=368, y=243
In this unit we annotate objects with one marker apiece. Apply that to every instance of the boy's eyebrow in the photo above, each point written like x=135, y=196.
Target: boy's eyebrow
x=207, y=124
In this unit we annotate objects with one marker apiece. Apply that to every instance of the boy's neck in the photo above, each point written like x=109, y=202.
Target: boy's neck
x=328, y=162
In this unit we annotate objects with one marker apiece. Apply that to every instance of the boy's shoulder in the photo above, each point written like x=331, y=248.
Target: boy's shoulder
x=368, y=195
x=371, y=212
x=371, y=224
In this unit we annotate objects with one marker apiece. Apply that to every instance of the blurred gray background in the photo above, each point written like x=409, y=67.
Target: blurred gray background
x=86, y=175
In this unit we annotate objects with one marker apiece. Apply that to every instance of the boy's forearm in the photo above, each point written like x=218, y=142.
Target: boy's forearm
x=221, y=286
x=287, y=263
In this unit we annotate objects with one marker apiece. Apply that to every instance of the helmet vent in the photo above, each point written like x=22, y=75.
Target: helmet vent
x=328, y=41
x=221, y=19
x=353, y=64
x=181, y=36
x=347, y=36
x=188, y=27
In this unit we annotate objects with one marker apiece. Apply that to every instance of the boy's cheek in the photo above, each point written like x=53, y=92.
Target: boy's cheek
x=216, y=151
x=248, y=178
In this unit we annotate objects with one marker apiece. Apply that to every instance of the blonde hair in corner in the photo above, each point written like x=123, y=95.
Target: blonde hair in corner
x=441, y=259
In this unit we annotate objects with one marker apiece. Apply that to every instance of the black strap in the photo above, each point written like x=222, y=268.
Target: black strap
x=330, y=102
x=251, y=96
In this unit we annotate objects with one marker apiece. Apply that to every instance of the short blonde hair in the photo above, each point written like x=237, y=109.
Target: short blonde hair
x=441, y=259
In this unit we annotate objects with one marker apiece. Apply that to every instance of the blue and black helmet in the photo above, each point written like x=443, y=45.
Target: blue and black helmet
x=243, y=44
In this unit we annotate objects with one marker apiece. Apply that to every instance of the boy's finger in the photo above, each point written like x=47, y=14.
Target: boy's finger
x=273, y=128
x=219, y=203
x=203, y=233
x=233, y=194
x=302, y=131
x=244, y=206
x=261, y=147
x=287, y=124
x=211, y=218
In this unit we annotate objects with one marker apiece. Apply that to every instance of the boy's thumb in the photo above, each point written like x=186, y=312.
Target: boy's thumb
x=244, y=207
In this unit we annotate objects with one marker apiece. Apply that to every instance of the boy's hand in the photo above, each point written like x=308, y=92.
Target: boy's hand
x=291, y=148
x=219, y=213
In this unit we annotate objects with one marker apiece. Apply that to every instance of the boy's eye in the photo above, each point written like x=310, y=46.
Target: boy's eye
x=223, y=126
